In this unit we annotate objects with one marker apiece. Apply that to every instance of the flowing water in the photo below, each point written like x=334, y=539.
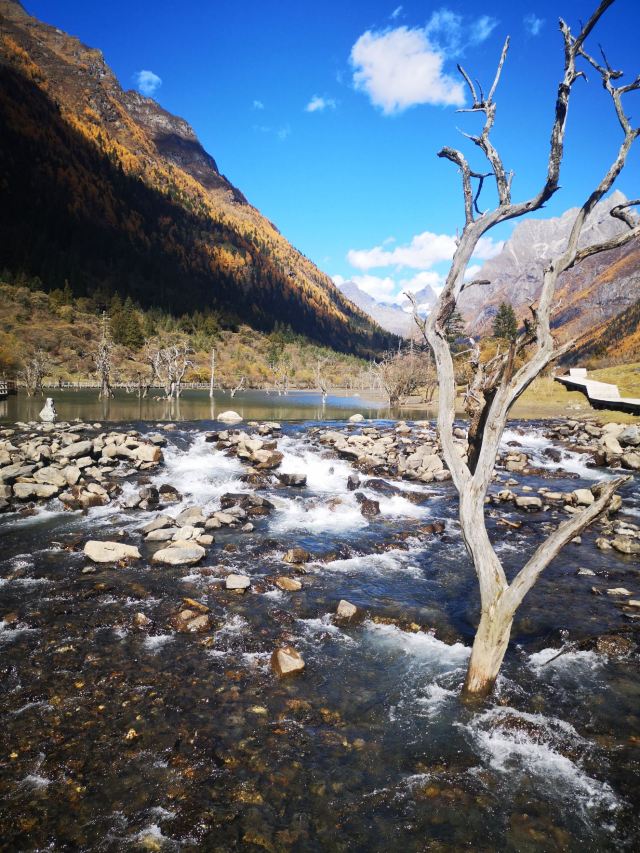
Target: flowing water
x=369, y=749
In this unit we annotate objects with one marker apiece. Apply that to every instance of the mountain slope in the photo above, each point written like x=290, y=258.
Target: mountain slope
x=591, y=293
x=106, y=189
x=390, y=317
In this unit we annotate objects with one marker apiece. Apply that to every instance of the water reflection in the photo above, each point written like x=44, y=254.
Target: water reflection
x=197, y=405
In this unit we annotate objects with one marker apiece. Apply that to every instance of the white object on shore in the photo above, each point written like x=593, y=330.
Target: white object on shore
x=356, y=419
x=230, y=417
x=48, y=413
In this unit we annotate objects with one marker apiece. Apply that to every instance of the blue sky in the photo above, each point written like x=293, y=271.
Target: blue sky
x=328, y=116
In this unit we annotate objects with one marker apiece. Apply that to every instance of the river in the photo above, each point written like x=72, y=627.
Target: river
x=369, y=749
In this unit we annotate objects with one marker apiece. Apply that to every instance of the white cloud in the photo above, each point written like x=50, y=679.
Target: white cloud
x=422, y=279
x=482, y=28
x=396, y=13
x=422, y=252
x=147, y=82
x=318, y=104
x=472, y=271
x=258, y=105
x=487, y=248
x=280, y=132
x=444, y=28
x=400, y=68
x=339, y=280
x=381, y=289
x=533, y=24
x=283, y=132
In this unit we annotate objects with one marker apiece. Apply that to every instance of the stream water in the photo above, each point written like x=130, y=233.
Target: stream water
x=369, y=749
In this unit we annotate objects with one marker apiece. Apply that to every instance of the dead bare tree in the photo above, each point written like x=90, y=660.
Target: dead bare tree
x=401, y=374
x=212, y=372
x=238, y=387
x=170, y=363
x=499, y=382
x=322, y=382
x=103, y=357
x=33, y=373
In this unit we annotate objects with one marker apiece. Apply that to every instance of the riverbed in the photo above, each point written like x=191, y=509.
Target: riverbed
x=117, y=736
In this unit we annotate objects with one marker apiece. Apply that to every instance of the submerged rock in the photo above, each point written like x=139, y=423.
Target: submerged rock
x=110, y=552
x=288, y=584
x=296, y=556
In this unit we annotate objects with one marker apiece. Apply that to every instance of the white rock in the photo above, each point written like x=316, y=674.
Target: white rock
x=179, y=553
x=229, y=417
x=48, y=413
x=110, y=552
x=356, y=419
x=237, y=582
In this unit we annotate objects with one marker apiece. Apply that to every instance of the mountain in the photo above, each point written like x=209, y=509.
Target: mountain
x=591, y=294
x=105, y=189
x=390, y=316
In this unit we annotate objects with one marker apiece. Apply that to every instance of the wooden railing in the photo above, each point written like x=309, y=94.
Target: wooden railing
x=7, y=387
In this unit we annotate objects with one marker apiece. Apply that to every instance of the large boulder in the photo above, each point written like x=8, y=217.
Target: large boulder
x=230, y=417
x=28, y=491
x=50, y=475
x=148, y=453
x=286, y=661
x=179, y=553
x=110, y=552
x=528, y=502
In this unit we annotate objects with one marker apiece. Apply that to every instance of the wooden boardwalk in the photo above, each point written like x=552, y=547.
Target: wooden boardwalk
x=601, y=395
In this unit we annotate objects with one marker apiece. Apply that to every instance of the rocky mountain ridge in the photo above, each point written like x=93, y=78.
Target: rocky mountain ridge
x=591, y=293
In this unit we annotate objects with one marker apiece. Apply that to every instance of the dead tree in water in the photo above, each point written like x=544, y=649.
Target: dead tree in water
x=497, y=383
x=322, y=382
x=170, y=365
x=103, y=360
x=238, y=387
x=33, y=373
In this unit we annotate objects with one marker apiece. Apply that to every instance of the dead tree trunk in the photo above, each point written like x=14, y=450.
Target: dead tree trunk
x=213, y=373
x=497, y=383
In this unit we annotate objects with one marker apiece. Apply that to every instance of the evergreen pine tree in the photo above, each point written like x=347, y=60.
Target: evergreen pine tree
x=505, y=324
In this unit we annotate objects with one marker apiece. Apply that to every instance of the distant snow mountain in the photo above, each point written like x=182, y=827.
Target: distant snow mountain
x=391, y=316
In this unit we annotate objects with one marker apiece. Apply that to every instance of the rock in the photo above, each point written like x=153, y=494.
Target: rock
x=583, y=497
x=76, y=450
x=353, y=482
x=603, y=544
x=148, y=453
x=169, y=494
x=614, y=645
x=626, y=545
x=72, y=474
x=162, y=534
x=229, y=417
x=589, y=573
x=192, y=516
x=528, y=502
x=179, y=553
x=160, y=521
x=149, y=496
x=630, y=437
x=356, y=419
x=241, y=582
x=110, y=552
x=346, y=610
x=286, y=661
x=199, y=623
x=141, y=620
x=368, y=507
x=247, y=528
x=50, y=475
x=48, y=412
x=297, y=480
x=29, y=491
x=618, y=590
x=611, y=443
x=288, y=584
x=266, y=460
x=205, y=539
x=631, y=461
x=296, y=556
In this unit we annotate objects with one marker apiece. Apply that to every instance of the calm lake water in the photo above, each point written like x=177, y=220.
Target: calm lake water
x=196, y=405
x=370, y=748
